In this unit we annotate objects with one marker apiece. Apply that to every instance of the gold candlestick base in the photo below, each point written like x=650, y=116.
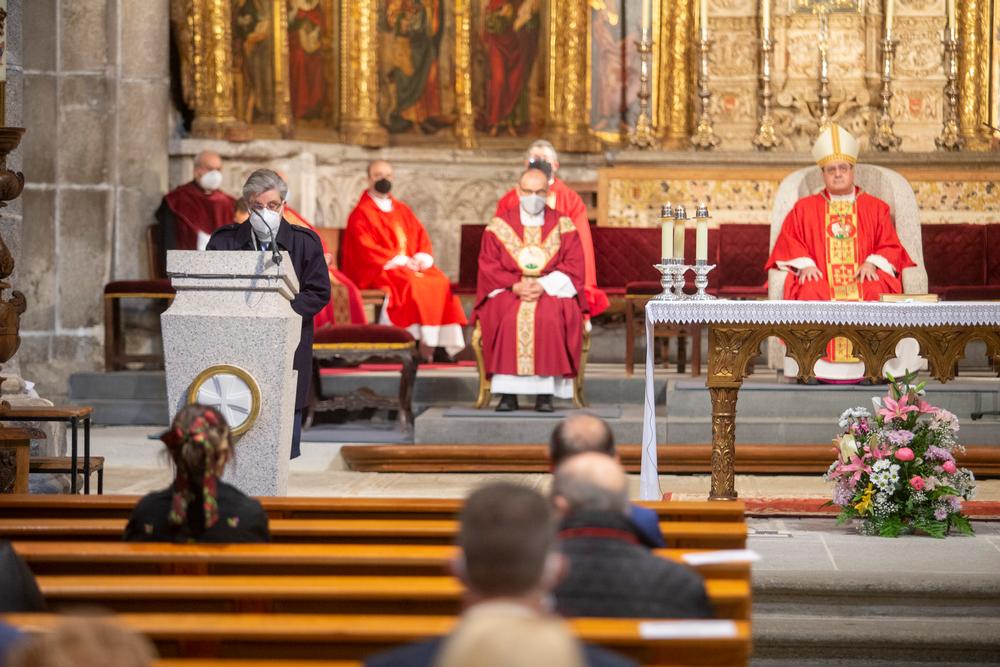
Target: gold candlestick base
x=643, y=136
x=766, y=139
x=704, y=137
x=950, y=138
x=884, y=137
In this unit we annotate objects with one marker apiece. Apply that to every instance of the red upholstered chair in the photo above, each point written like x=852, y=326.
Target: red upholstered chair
x=354, y=344
x=963, y=261
x=370, y=298
x=468, y=260
x=742, y=255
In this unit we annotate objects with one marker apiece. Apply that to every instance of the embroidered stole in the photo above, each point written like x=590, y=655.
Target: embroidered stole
x=841, y=232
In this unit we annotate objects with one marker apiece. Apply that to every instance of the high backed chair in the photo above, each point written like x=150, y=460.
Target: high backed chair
x=887, y=185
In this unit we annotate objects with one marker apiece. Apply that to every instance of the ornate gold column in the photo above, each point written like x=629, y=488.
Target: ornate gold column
x=676, y=73
x=282, y=84
x=569, y=103
x=209, y=23
x=465, y=128
x=974, y=72
x=359, y=74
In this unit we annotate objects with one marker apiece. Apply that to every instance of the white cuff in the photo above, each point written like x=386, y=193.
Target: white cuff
x=797, y=264
x=495, y=292
x=425, y=260
x=398, y=260
x=557, y=284
x=882, y=263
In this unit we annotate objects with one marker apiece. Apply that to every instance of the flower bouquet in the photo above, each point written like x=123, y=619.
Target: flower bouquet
x=896, y=471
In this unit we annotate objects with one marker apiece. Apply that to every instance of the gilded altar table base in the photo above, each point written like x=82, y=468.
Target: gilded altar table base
x=732, y=349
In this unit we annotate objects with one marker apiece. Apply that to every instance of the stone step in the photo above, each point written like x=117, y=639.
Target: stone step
x=127, y=412
x=129, y=385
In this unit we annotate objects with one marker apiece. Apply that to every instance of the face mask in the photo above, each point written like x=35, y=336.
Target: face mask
x=533, y=204
x=265, y=223
x=542, y=165
x=210, y=181
x=383, y=186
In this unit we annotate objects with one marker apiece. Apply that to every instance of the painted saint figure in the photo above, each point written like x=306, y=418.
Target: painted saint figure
x=511, y=38
x=305, y=58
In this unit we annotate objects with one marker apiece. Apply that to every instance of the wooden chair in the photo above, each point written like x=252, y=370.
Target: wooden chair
x=356, y=344
x=484, y=392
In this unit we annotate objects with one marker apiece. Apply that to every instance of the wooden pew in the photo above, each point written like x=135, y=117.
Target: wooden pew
x=284, y=507
x=303, y=559
x=352, y=637
x=678, y=534
x=423, y=595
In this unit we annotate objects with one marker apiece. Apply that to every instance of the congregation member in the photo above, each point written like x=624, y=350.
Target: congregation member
x=267, y=230
x=190, y=213
x=839, y=244
x=84, y=642
x=386, y=247
x=198, y=506
x=585, y=432
x=541, y=154
x=610, y=573
x=529, y=298
x=508, y=563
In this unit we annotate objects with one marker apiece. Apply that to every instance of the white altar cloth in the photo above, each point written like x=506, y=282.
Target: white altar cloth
x=911, y=314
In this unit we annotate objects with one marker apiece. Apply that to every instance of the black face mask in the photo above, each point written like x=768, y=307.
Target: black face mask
x=383, y=186
x=542, y=165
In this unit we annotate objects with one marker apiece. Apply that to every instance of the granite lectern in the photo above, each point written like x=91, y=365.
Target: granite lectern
x=228, y=341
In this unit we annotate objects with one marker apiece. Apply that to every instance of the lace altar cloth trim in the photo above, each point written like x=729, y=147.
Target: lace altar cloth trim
x=867, y=313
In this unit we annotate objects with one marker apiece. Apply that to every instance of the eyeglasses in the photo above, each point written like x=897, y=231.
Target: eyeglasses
x=834, y=168
x=270, y=206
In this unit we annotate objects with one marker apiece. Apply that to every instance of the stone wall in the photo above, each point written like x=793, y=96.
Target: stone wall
x=96, y=80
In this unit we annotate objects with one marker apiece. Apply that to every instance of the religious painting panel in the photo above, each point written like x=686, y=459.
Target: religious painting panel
x=615, y=29
x=312, y=63
x=416, y=65
x=253, y=51
x=508, y=66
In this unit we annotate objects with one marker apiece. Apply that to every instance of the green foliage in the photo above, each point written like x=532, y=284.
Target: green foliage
x=932, y=527
x=961, y=523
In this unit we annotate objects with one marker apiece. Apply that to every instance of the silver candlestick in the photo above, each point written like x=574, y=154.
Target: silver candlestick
x=668, y=268
x=824, y=93
x=766, y=138
x=950, y=139
x=884, y=138
x=704, y=137
x=642, y=135
x=701, y=270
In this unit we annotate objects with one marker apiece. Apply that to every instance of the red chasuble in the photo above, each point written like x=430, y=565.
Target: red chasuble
x=541, y=338
x=840, y=236
x=371, y=239
x=345, y=306
x=567, y=202
x=196, y=212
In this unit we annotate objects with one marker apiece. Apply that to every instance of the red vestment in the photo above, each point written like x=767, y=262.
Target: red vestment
x=543, y=338
x=345, y=305
x=567, y=202
x=197, y=211
x=374, y=237
x=511, y=55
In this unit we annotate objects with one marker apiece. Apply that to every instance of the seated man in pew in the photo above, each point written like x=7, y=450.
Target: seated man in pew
x=509, y=565
x=610, y=574
x=529, y=299
x=586, y=433
x=198, y=506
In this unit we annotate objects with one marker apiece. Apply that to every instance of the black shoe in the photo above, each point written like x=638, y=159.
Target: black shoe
x=508, y=403
x=543, y=403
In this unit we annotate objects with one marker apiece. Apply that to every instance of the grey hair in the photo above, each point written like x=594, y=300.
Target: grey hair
x=583, y=495
x=263, y=180
x=545, y=146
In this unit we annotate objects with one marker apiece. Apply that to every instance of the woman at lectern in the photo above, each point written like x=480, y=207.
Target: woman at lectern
x=198, y=506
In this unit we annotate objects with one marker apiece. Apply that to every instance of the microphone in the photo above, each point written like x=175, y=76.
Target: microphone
x=275, y=255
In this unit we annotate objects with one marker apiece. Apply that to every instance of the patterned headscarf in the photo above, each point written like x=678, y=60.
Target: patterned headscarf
x=198, y=442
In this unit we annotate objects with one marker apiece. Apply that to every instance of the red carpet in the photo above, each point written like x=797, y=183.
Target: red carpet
x=792, y=507
x=393, y=368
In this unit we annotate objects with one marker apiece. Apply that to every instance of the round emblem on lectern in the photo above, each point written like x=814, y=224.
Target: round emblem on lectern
x=232, y=391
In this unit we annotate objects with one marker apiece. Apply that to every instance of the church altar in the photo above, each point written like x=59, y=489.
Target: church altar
x=736, y=330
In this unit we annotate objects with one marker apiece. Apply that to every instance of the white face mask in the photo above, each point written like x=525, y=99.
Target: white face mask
x=533, y=204
x=210, y=181
x=265, y=223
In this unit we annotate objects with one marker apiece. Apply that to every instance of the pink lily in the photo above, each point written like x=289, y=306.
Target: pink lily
x=856, y=466
x=925, y=408
x=896, y=409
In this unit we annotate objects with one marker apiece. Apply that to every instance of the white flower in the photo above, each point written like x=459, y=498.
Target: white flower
x=877, y=403
x=848, y=447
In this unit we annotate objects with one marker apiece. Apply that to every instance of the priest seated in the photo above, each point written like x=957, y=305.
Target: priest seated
x=530, y=301
x=839, y=244
x=385, y=247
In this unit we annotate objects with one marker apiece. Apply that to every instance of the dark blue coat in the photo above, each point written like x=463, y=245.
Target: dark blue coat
x=306, y=252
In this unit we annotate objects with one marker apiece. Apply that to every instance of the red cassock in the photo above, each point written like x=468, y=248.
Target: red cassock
x=541, y=338
x=345, y=306
x=839, y=242
x=567, y=202
x=196, y=211
x=374, y=237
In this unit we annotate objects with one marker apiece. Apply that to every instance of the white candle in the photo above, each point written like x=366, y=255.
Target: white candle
x=701, y=241
x=678, y=239
x=765, y=17
x=666, y=240
x=890, y=9
x=646, y=22
x=952, y=25
x=703, y=17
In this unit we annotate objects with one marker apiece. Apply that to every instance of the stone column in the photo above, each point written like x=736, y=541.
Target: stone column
x=359, y=75
x=211, y=29
x=569, y=108
x=676, y=76
x=465, y=129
